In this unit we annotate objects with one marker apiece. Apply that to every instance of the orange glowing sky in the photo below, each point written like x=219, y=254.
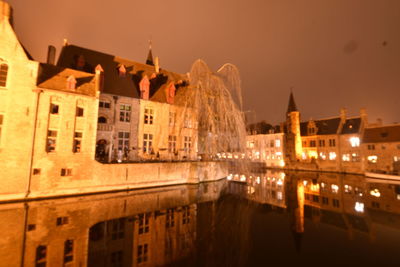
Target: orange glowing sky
x=342, y=53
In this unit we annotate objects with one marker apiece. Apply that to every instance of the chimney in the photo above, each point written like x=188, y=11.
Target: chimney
x=157, y=65
x=364, y=116
x=99, y=82
x=343, y=114
x=51, y=55
x=65, y=42
x=6, y=12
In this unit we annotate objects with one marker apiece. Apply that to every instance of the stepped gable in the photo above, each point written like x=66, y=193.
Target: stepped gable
x=382, y=134
x=56, y=78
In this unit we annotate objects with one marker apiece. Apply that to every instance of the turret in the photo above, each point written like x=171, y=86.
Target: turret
x=294, y=146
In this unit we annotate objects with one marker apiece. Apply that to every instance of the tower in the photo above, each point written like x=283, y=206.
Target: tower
x=293, y=137
x=150, y=60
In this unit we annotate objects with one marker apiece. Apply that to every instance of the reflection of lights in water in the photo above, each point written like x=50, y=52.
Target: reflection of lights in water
x=315, y=187
x=250, y=190
x=279, y=195
x=283, y=175
x=305, y=182
x=323, y=185
x=230, y=176
x=359, y=207
x=258, y=180
x=279, y=182
x=375, y=192
x=242, y=178
x=282, y=163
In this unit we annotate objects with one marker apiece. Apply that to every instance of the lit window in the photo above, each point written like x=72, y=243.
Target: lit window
x=171, y=144
x=148, y=116
x=147, y=143
x=359, y=207
x=372, y=158
x=355, y=157
x=303, y=155
x=77, y=142
x=278, y=143
x=347, y=189
x=322, y=155
x=3, y=74
x=354, y=141
x=334, y=188
x=375, y=192
x=187, y=144
x=124, y=113
x=51, y=141
x=395, y=158
x=332, y=155
x=346, y=157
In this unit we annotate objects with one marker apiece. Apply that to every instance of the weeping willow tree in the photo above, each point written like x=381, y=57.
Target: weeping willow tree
x=214, y=98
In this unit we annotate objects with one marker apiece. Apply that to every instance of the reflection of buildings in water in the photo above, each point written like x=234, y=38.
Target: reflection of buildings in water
x=149, y=227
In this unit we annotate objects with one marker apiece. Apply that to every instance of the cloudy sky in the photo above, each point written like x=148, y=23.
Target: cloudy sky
x=334, y=53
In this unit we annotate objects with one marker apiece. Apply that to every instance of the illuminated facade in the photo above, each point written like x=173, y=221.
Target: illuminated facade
x=267, y=148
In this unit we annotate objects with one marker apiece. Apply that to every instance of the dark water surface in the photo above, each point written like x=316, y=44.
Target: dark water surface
x=262, y=219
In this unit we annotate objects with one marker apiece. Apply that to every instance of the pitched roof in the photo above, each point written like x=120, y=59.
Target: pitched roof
x=292, y=105
x=114, y=82
x=351, y=126
x=55, y=78
x=324, y=126
x=149, y=60
x=382, y=134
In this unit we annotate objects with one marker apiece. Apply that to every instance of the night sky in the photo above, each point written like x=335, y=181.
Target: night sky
x=338, y=53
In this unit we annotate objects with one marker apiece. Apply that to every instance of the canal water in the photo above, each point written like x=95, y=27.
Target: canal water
x=257, y=219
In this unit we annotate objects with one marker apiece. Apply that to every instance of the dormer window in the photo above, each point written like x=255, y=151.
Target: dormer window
x=144, y=86
x=71, y=82
x=170, y=93
x=122, y=71
x=3, y=74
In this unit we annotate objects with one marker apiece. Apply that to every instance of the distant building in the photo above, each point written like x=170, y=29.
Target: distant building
x=267, y=148
x=381, y=148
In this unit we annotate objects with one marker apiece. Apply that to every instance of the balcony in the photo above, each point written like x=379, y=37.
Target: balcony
x=104, y=127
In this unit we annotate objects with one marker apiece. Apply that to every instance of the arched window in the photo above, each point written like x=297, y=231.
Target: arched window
x=102, y=120
x=3, y=74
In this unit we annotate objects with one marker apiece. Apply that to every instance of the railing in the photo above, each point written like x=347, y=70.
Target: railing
x=104, y=127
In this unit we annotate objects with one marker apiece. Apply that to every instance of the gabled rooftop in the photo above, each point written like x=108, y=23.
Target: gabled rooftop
x=382, y=134
x=324, y=126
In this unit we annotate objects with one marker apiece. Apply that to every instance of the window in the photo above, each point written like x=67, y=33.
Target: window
x=148, y=116
x=335, y=188
x=322, y=143
x=31, y=227
x=325, y=201
x=1, y=125
x=172, y=118
x=3, y=74
x=396, y=158
x=271, y=143
x=354, y=141
x=117, y=229
x=61, y=221
x=187, y=123
x=102, y=120
x=77, y=142
x=117, y=258
x=68, y=251
x=123, y=141
x=277, y=143
x=171, y=143
x=372, y=158
x=66, y=172
x=144, y=223
x=315, y=198
x=142, y=253
x=322, y=155
x=54, y=108
x=170, y=220
x=346, y=157
x=51, y=141
x=348, y=189
x=187, y=144
x=336, y=203
x=41, y=253
x=371, y=147
x=332, y=142
x=332, y=155
x=313, y=143
x=375, y=205
x=186, y=215
x=36, y=171
x=147, y=143
x=355, y=157
x=104, y=104
x=124, y=113
x=79, y=112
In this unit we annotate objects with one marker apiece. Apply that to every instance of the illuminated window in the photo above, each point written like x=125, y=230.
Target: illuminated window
x=332, y=155
x=124, y=112
x=77, y=142
x=372, y=159
x=41, y=253
x=359, y=207
x=104, y=104
x=51, y=141
x=346, y=157
x=171, y=144
x=355, y=157
x=395, y=158
x=278, y=143
x=335, y=188
x=354, y=141
x=148, y=115
x=123, y=141
x=3, y=74
x=142, y=253
x=144, y=223
x=347, y=189
x=303, y=155
x=68, y=251
x=147, y=143
x=322, y=155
